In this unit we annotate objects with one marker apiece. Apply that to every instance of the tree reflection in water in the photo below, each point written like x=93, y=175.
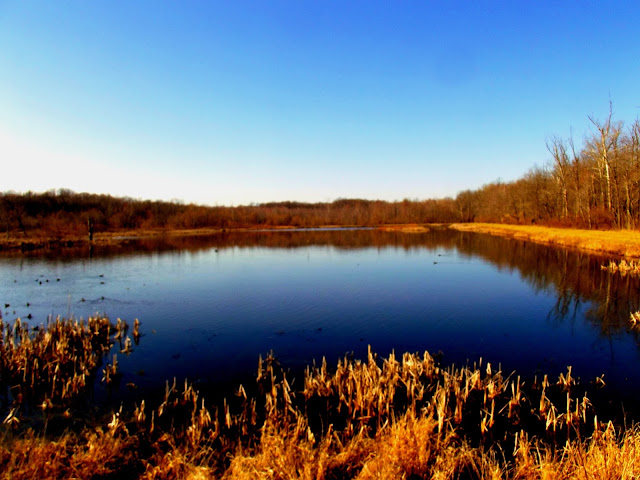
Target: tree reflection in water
x=574, y=277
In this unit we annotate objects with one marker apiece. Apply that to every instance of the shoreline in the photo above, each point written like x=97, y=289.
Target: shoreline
x=622, y=243
x=48, y=242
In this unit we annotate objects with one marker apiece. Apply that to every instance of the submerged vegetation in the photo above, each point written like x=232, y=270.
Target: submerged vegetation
x=396, y=417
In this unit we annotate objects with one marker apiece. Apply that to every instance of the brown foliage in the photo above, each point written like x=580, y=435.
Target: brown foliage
x=597, y=186
x=63, y=214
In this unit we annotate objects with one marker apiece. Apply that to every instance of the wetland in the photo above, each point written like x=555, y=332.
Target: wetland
x=210, y=306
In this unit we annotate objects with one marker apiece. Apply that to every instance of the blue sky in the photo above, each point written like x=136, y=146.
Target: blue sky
x=253, y=101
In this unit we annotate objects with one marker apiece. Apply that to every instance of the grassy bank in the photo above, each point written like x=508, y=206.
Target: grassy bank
x=622, y=243
x=385, y=418
x=43, y=240
x=408, y=228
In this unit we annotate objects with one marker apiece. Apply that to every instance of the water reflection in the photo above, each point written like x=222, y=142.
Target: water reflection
x=223, y=299
x=574, y=277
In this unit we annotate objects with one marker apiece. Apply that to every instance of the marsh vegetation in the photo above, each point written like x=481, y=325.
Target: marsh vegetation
x=72, y=409
x=406, y=416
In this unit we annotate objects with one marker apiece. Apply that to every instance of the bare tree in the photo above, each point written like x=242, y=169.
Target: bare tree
x=576, y=167
x=634, y=136
x=561, y=166
x=608, y=136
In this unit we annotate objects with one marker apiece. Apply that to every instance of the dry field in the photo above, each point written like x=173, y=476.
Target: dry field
x=408, y=228
x=623, y=243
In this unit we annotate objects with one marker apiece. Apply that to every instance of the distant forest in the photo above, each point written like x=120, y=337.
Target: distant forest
x=592, y=185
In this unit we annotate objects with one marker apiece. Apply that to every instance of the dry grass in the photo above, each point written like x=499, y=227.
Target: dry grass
x=377, y=418
x=623, y=268
x=92, y=454
x=42, y=240
x=411, y=228
x=51, y=364
x=623, y=243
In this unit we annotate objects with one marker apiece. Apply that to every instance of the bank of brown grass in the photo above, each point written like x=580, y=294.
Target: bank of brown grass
x=625, y=243
x=38, y=240
x=397, y=417
x=90, y=454
x=409, y=228
x=410, y=448
x=41, y=240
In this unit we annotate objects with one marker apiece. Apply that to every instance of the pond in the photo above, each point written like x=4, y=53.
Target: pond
x=209, y=306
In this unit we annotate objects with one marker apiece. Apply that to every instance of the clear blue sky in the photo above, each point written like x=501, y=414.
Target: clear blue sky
x=237, y=102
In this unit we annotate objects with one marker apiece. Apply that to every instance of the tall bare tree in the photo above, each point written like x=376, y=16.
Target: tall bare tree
x=576, y=165
x=607, y=136
x=562, y=165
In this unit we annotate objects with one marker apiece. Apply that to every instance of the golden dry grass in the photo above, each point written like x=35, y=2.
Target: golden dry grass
x=411, y=228
x=42, y=240
x=623, y=268
x=376, y=418
x=53, y=363
x=625, y=243
x=91, y=454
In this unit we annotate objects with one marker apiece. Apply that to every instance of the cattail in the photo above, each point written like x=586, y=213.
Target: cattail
x=136, y=330
x=127, y=346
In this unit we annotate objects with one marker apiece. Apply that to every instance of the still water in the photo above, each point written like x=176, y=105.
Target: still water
x=209, y=306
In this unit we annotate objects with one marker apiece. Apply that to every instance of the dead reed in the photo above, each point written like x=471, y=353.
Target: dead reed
x=623, y=268
x=394, y=417
x=625, y=243
x=52, y=364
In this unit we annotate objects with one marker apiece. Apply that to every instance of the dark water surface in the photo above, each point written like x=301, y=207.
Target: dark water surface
x=209, y=306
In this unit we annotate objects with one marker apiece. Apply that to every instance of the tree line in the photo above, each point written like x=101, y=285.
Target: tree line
x=60, y=213
x=593, y=185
